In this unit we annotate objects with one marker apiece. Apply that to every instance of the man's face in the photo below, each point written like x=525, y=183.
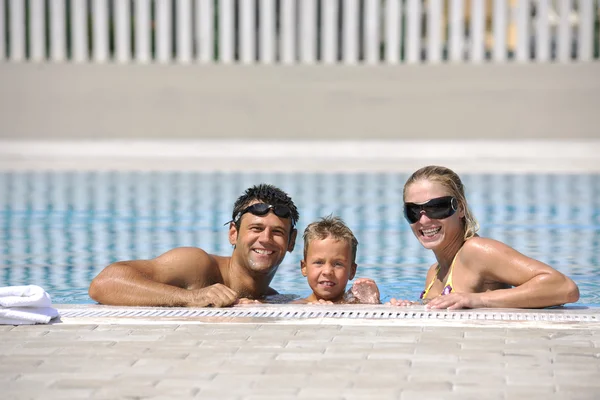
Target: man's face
x=262, y=241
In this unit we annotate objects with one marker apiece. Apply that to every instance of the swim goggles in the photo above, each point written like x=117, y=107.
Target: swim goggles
x=438, y=208
x=261, y=209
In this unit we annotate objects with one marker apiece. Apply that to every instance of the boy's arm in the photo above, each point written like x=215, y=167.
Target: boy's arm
x=163, y=281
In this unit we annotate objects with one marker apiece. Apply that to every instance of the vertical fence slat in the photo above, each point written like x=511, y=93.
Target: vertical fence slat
x=522, y=17
x=434, y=31
x=205, y=16
x=79, y=31
x=393, y=27
x=246, y=31
x=372, y=26
x=329, y=29
x=308, y=25
x=477, y=32
x=564, y=30
x=100, y=30
x=457, y=30
x=413, y=31
x=499, y=25
x=267, y=31
x=350, y=31
x=163, y=15
x=585, y=30
x=37, y=29
x=542, y=34
x=142, y=30
x=17, y=30
x=287, y=50
x=58, y=42
x=122, y=31
x=184, y=30
x=226, y=31
x=2, y=31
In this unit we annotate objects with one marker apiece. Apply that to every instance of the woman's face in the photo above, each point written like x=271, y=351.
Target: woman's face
x=433, y=233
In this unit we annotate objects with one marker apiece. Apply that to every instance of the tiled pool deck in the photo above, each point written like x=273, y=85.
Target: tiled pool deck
x=225, y=357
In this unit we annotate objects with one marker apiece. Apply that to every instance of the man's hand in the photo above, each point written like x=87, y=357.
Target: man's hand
x=455, y=301
x=246, y=301
x=217, y=295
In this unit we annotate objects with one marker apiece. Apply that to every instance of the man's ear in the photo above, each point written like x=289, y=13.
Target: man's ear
x=352, y=271
x=303, y=268
x=233, y=234
x=292, y=241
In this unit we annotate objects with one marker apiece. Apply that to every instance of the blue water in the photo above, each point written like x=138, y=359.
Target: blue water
x=58, y=230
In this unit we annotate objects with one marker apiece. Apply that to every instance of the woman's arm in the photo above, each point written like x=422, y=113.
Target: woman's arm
x=535, y=284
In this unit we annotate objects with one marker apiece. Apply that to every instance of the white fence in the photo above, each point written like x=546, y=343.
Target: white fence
x=298, y=31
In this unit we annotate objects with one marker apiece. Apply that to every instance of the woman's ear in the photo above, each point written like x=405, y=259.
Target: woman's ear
x=461, y=209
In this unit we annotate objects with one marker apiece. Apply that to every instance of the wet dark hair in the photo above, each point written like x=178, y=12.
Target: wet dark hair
x=268, y=194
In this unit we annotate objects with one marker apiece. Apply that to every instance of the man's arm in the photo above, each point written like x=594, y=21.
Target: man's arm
x=163, y=281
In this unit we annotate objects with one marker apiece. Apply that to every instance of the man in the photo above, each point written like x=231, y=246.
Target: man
x=262, y=230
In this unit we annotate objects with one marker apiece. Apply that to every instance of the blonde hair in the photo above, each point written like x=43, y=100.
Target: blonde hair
x=450, y=180
x=333, y=227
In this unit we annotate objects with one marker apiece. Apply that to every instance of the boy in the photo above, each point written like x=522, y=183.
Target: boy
x=329, y=262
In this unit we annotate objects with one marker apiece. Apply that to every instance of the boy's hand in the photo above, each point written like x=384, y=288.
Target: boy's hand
x=321, y=301
x=401, y=303
x=365, y=291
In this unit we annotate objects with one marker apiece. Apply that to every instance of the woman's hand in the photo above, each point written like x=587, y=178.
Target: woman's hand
x=456, y=301
x=401, y=303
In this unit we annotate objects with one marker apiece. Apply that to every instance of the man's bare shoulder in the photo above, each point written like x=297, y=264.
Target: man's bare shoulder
x=189, y=255
x=193, y=265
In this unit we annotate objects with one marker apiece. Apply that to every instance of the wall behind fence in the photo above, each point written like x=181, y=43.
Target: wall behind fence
x=298, y=31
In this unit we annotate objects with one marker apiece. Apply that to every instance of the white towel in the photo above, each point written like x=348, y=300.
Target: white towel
x=27, y=315
x=24, y=296
x=25, y=305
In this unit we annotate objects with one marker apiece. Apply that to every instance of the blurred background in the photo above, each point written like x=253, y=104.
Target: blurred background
x=290, y=69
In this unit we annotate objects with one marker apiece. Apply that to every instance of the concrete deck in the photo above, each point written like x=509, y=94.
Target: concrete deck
x=425, y=102
x=316, y=358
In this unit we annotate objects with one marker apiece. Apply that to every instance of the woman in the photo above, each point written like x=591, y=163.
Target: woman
x=471, y=271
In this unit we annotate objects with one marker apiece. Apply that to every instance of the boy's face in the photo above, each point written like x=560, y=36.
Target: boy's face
x=328, y=267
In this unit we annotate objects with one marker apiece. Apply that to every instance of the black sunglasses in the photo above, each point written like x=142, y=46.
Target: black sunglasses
x=263, y=209
x=438, y=208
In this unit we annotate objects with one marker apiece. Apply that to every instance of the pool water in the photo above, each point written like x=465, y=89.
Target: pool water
x=59, y=229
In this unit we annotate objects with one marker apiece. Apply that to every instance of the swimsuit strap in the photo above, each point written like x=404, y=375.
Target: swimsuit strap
x=426, y=291
x=448, y=287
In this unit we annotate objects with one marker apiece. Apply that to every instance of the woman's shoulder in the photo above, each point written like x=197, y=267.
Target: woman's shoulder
x=479, y=248
x=478, y=244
